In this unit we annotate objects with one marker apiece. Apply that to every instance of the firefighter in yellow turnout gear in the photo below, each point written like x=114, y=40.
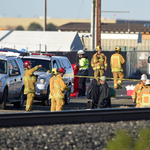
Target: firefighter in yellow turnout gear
x=58, y=91
x=99, y=63
x=29, y=82
x=51, y=81
x=116, y=62
x=137, y=90
x=145, y=95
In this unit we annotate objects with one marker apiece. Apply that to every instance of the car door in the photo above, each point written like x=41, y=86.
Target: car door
x=18, y=79
x=11, y=81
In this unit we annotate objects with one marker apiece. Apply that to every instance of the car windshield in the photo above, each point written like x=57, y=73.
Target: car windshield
x=46, y=64
x=3, y=67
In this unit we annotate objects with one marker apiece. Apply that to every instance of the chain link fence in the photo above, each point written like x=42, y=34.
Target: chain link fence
x=137, y=64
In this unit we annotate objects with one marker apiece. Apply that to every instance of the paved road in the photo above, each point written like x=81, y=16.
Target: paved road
x=80, y=103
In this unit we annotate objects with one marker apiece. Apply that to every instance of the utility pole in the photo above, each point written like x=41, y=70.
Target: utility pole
x=44, y=27
x=99, y=22
x=93, y=34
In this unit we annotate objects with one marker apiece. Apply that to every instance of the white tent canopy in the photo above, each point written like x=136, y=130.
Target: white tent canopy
x=40, y=40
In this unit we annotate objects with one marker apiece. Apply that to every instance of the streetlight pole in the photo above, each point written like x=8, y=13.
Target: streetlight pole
x=44, y=27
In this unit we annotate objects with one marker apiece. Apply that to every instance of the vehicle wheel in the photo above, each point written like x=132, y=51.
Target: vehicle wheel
x=47, y=101
x=21, y=102
x=3, y=100
x=67, y=97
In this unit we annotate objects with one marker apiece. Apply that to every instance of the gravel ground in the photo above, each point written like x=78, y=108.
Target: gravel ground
x=88, y=136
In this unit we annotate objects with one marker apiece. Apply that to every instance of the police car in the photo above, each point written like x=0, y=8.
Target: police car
x=49, y=61
x=11, y=80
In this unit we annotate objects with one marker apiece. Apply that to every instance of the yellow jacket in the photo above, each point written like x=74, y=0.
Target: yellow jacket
x=59, y=87
x=145, y=96
x=116, y=62
x=99, y=61
x=137, y=91
x=29, y=80
x=51, y=83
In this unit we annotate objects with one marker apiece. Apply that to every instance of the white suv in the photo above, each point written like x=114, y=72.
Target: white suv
x=11, y=80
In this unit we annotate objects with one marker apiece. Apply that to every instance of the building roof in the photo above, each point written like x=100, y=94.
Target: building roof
x=36, y=40
x=107, y=27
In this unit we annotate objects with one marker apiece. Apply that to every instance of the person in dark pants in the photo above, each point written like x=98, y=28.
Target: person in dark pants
x=83, y=71
x=93, y=93
x=104, y=98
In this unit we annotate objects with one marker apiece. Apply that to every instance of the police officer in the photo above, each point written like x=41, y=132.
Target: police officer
x=99, y=63
x=29, y=82
x=116, y=62
x=137, y=90
x=51, y=96
x=58, y=91
x=83, y=71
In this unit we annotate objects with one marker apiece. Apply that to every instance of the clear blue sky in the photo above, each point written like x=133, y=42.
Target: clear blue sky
x=139, y=9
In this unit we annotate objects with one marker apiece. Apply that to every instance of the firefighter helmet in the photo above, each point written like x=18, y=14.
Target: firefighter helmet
x=143, y=77
x=98, y=48
x=54, y=71
x=80, y=52
x=117, y=48
x=62, y=70
x=27, y=63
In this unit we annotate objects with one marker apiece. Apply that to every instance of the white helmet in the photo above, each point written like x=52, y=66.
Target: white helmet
x=143, y=77
x=80, y=52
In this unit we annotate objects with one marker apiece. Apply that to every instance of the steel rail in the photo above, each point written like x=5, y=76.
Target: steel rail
x=73, y=117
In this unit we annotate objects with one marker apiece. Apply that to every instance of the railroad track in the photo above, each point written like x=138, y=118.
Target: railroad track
x=72, y=117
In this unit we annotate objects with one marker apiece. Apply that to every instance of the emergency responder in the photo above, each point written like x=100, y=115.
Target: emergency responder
x=51, y=83
x=58, y=91
x=99, y=63
x=83, y=71
x=29, y=82
x=116, y=62
x=137, y=90
x=145, y=95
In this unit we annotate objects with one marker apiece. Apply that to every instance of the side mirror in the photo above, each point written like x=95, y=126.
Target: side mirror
x=14, y=72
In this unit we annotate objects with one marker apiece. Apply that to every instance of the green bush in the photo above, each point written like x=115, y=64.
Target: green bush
x=124, y=141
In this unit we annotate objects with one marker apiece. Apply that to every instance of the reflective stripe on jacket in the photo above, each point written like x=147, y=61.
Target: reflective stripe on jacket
x=99, y=61
x=83, y=63
x=137, y=91
x=29, y=80
x=145, y=96
x=59, y=87
x=51, y=83
x=116, y=62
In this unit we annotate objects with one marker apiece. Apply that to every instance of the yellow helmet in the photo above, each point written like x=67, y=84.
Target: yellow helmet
x=117, y=48
x=98, y=48
x=54, y=71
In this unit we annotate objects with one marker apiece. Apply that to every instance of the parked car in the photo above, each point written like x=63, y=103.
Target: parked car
x=11, y=81
x=48, y=62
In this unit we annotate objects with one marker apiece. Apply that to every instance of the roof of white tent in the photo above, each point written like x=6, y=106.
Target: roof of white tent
x=33, y=40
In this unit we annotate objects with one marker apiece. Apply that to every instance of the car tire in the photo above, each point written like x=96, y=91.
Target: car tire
x=67, y=97
x=21, y=102
x=4, y=98
x=47, y=101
